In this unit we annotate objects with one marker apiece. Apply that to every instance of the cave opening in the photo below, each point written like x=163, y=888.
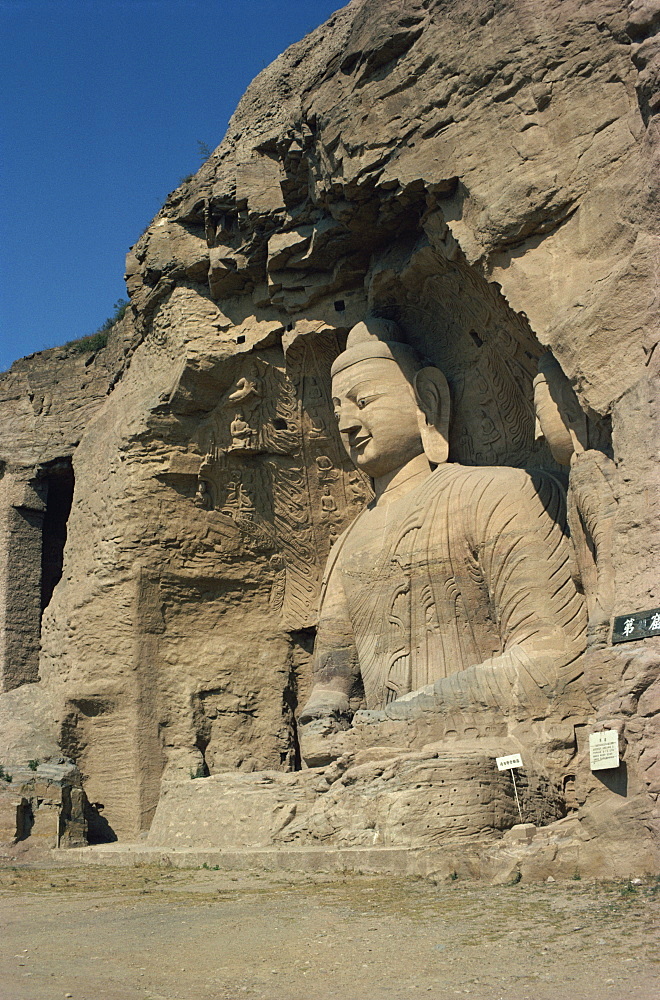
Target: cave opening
x=59, y=480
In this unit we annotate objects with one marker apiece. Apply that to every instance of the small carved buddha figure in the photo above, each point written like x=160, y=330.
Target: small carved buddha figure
x=202, y=496
x=241, y=433
x=591, y=500
x=452, y=590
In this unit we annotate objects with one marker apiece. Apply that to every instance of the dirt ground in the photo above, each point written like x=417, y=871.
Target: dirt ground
x=98, y=933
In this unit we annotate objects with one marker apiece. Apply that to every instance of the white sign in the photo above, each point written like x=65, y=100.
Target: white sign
x=604, y=750
x=504, y=763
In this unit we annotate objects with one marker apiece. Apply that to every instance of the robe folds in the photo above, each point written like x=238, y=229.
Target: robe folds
x=462, y=594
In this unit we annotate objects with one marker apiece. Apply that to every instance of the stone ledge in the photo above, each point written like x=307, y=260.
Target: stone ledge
x=396, y=860
x=566, y=849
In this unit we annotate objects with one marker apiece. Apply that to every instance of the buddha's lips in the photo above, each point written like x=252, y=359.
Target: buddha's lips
x=359, y=442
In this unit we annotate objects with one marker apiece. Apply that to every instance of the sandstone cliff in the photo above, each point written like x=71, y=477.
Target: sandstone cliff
x=480, y=170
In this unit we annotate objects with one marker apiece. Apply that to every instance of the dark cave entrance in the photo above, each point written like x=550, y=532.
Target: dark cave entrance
x=59, y=481
x=36, y=531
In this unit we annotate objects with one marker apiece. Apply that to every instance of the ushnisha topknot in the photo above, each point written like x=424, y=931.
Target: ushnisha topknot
x=377, y=338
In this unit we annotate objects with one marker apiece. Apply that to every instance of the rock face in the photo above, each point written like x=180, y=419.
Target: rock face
x=428, y=798
x=46, y=401
x=480, y=172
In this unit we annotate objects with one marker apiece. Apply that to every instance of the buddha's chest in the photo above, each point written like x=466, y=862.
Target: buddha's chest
x=392, y=545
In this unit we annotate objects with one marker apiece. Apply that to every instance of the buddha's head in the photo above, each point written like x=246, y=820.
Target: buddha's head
x=559, y=418
x=389, y=406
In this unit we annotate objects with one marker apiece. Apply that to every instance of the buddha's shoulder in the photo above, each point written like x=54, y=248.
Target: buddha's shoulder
x=496, y=479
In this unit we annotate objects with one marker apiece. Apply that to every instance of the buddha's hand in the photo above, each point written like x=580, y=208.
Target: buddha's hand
x=325, y=704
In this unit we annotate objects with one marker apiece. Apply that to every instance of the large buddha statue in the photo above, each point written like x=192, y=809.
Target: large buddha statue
x=453, y=589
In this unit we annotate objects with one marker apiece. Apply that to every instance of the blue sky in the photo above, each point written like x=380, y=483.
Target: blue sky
x=103, y=105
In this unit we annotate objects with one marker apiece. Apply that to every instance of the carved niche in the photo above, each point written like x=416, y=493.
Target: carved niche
x=460, y=322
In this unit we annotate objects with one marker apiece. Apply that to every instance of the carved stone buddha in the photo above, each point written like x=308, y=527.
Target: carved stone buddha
x=452, y=591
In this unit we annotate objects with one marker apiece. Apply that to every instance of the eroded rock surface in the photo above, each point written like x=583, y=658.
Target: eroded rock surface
x=483, y=173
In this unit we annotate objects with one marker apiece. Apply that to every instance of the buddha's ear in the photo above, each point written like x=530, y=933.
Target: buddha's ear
x=433, y=402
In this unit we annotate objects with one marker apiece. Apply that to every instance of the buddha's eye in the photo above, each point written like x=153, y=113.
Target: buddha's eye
x=361, y=403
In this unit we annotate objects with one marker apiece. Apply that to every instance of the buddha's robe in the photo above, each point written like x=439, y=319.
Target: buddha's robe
x=461, y=592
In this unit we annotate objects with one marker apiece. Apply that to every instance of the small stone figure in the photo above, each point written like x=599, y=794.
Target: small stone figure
x=592, y=502
x=241, y=433
x=202, y=495
x=245, y=399
x=246, y=388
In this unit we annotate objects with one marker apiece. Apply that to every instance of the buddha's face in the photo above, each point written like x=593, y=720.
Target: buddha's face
x=376, y=411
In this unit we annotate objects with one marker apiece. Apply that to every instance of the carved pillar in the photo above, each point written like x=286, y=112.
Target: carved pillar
x=150, y=758
x=22, y=506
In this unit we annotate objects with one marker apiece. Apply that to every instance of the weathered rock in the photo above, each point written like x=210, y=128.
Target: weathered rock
x=46, y=401
x=13, y=809
x=376, y=798
x=484, y=174
x=44, y=801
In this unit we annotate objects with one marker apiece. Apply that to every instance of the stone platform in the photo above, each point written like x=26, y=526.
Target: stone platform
x=565, y=849
x=381, y=797
x=523, y=852
x=437, y=811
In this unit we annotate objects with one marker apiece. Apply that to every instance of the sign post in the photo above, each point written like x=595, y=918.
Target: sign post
x=508, y=764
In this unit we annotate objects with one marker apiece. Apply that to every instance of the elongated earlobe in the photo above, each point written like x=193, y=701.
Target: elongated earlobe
x=433, y=404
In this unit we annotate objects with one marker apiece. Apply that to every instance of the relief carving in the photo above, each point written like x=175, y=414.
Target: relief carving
x=274, y=464
x=592, y=503
x=487, y=353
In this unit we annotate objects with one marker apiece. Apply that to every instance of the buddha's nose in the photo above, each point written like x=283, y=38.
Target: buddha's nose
x=349, y=419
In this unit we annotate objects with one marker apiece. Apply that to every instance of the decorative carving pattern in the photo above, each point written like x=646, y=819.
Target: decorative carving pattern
x=274, y=464
x=314, y=506
x=460, y=323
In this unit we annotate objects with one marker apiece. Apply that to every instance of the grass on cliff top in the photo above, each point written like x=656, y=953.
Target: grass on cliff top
x=95, y=341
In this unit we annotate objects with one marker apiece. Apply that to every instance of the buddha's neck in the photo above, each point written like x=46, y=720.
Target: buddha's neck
x=396, y=484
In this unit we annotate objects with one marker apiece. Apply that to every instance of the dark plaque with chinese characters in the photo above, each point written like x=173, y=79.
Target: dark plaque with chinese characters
x=638, y=625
